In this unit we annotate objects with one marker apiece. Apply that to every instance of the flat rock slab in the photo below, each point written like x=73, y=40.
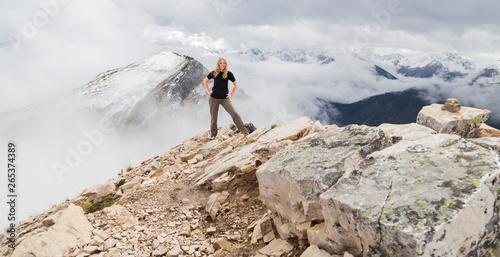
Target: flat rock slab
x=59, y=238
x=290, y=130
x=278, y=247
x=314, y=251
x=378, y=198
x=438, y=203
x=463, y=122
x=290, y=183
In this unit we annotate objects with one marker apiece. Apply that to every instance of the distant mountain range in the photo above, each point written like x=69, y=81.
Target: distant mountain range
x=402, y=66
x=444, y=65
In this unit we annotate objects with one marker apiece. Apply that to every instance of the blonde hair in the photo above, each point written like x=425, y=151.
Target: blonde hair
x=217, y=69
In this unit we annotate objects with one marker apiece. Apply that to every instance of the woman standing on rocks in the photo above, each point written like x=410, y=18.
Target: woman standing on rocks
x=219, y=95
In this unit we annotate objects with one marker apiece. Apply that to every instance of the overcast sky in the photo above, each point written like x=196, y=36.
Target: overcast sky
x=48, y=47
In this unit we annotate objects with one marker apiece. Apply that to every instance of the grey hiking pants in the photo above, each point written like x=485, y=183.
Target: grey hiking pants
x=228, y=106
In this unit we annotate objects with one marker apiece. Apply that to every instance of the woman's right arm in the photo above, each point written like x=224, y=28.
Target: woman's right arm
x=205, y=82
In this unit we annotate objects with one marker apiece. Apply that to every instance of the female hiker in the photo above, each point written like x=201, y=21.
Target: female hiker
x=219, y=95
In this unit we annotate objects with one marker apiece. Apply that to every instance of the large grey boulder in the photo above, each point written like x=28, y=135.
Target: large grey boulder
x=438, y=203
x=378, y=196
x=290, y=183
x=59, y=238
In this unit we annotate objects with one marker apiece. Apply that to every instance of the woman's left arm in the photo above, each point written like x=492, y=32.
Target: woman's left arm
x=234, y=89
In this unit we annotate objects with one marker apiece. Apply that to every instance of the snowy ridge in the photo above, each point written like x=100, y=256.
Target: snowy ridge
x=450, y=61
x=447, y=65
x=131, y=95
x=287, y=55
x=120, y=89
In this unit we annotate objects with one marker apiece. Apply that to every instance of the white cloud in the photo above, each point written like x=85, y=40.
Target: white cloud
x=172, y=37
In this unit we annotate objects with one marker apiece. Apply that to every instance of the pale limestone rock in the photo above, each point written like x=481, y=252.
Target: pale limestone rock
x=416, y=204
x=278, y=247
x=256, y=234
x=211, y=230
x=121, y=215
x=59, y=238
x=451, y=105
x=175, y=251
x=90, y=249
x=214, y=203
x=291, y=130
x=487, y=131
x=160, y=251
x=203, y=152
x=282, y=227
x=492, y=143
x=314, y=251
x=98, y=192
x=463, y=122
x=233, y=161
x=411, y=132
x=317, y=235
x=199, y=157
x=129, y=185
x=290, y=183
x=149, y=182
x=318, y=127
x=391, y=200
x=187, y=157
x=192, y=161
x=269, y=236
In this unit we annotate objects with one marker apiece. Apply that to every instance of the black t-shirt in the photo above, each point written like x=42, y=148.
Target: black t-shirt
x=220, y=90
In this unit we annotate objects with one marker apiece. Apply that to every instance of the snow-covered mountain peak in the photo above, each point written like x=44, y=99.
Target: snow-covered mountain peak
x=165, y=79
x=126, y=86
x=285, y=55
x=449, y=61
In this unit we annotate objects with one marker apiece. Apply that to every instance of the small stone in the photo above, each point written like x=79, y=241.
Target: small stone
x=160, y=251
x=175, y=251
x=199, y=157
x=90, y=249
x=204, y=152
x=315, y=251
x=451, y=105
x=49, y=221
x=222, y=243
x=211, y=230
x=269, y=237
x=149, y=182
x=277, y=247
x=186, y=157
x=234, y=237
x=192, y=161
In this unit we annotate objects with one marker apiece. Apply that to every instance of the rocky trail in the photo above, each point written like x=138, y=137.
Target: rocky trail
x=294, y=189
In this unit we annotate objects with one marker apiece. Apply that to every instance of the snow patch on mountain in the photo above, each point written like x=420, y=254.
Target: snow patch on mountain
x=287, y=55
x=119, y=89
x=447, y=65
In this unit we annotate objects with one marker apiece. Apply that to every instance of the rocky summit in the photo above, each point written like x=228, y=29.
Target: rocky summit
x=299, y=188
